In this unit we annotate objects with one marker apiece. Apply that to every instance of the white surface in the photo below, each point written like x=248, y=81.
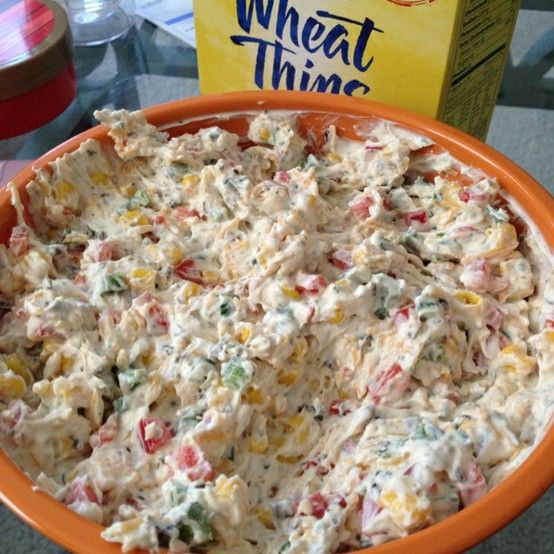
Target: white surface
x=526, y=136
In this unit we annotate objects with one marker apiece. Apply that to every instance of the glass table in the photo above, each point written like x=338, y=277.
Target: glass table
x=149, y=66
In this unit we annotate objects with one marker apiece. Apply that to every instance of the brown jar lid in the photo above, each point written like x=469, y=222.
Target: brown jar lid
x=35, y=44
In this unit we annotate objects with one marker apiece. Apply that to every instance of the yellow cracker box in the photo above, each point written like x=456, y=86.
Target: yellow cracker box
x=442, y=58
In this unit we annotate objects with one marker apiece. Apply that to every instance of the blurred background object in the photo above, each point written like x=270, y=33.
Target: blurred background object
x=37, y=79
x=97, y=21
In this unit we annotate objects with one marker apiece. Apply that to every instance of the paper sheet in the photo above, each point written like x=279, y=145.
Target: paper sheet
x=173, y=16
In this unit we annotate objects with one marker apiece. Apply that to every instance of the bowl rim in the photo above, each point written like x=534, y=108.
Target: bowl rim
x=456, y=533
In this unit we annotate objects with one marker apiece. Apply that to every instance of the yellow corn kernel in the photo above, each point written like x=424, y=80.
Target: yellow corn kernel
x=152, y=251
x=343, y=394
x=148, y=357
x=128, y=191
x=396, y=460
x=290, y=292
x=43, y=389
x=256, y=445
x=189, y=290
x=277, y=442
x=141, y=273
x=99, y=178
x=210, y=277
x=289, y=459
x=406, y=506
x=225, y=486
x=332, y=157
x=174, y=254
x=67, y=363
x=337, y=317
x=211, y=435
x=524, y=363
x=300, y=349
x=296, y=420
x=190, y=181
x=549, y=335
x=243, y=335
x=508, y=233
x=341, y=283
x=358, y=258
x=66, y=444
x=50, y=345
x=302, y=435
x=265, y=516
x=225, y=466
x=253, y=395
x=13, y=361
x=288, y=377
x=143, y=278
x=64, y=190
x=313, y=384
x=12, y=386
x=510, y=348
x=134, y=217
x=312, y=201
x=264, y=134
x=389, y=498
x=131, y=525
x=450, y=195
x=467, y=297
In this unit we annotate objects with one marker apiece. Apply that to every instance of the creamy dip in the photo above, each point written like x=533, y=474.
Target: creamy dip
x=207, y=346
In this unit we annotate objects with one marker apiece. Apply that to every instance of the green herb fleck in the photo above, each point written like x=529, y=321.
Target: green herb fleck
x=186, y=534
x=182, y=166
x=498, y=214
x=131, y=378
x=434, y=352
x=178, y=494
x=424, y=302
x=234, y=375
x=121, y=404
x=284, y=546
x=197, y=513
x=113, y=283
x=225, y=308
x=309, y=162
x=382, y=312
x=138, y=200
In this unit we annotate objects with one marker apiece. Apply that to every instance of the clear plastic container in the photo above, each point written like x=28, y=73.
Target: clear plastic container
x=96, y=21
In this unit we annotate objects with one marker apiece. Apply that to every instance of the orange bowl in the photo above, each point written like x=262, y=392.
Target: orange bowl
x=456, y=533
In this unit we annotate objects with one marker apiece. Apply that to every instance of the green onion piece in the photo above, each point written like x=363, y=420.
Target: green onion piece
x=498, y=214
x=284, y=546
x=197, y=513
x=234, y=375
x=138, y=200
x=186, y=534
x=225, y=308
x=435, y=352
x=113, y=283
x=131, y=378
x=121, y=404
x=178, y=494
x=381, y=313
x=182, y=166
